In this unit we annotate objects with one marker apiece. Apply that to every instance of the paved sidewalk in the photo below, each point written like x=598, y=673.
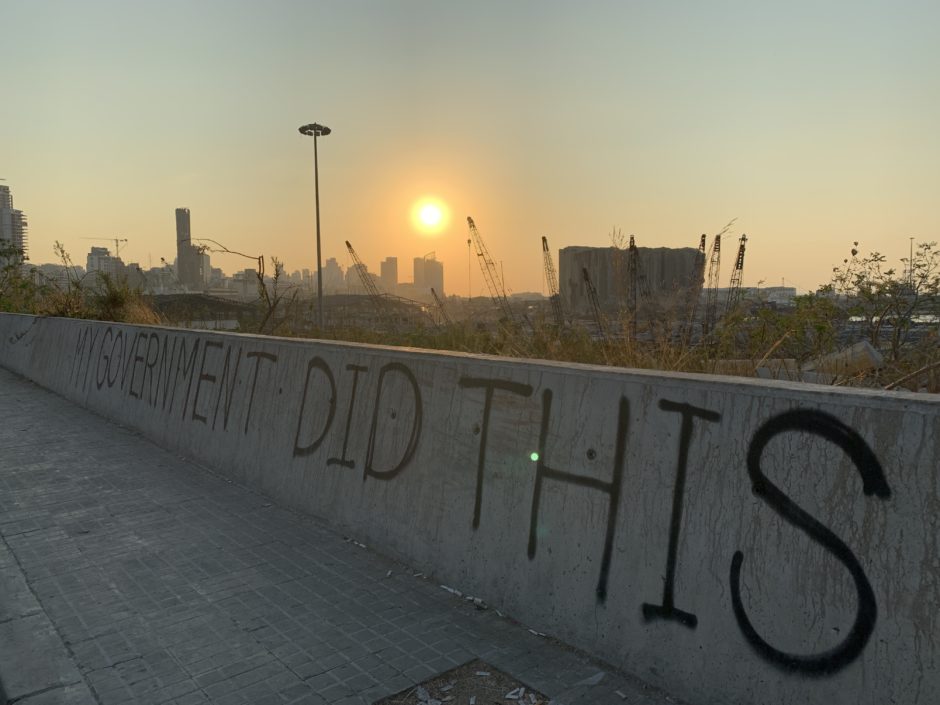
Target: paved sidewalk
x=130, y=575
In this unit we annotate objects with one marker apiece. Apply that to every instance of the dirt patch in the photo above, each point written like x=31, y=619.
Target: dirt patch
x=474, y=683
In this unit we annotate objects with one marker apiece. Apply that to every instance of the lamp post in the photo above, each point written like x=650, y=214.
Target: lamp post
x=314, y=130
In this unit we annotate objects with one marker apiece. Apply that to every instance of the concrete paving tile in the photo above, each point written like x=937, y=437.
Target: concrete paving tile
x=171, y=691
x=169, y=584
x=321, y=681
x=32, y=657
x=194, y=698
x=75, y=694
x=18, y=599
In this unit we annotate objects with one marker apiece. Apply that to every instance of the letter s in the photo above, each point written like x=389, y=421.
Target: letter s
x=873, y=482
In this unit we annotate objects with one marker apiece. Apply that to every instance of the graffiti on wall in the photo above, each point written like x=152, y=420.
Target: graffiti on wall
x=874, y=482
x=216, y=381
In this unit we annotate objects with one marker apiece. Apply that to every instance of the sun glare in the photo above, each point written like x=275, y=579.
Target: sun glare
x=429, y=216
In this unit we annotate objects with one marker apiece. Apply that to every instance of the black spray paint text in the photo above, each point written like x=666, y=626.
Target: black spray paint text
x=215, y=380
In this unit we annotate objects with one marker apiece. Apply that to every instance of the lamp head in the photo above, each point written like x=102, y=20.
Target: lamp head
x=315, y=130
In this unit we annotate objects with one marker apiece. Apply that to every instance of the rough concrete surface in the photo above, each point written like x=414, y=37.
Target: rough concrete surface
x=733, y=541
x=18, y=601
x=32, y=658
x=152, y=580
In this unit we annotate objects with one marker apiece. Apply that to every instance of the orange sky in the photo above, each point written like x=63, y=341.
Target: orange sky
x=813, y=127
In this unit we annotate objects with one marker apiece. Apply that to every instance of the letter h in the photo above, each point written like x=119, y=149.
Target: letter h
x=612, y=488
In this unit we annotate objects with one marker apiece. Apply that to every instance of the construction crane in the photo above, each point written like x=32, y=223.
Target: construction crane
x=711, y=295
x=554, y=296
x=440, y=306
x=734, y=289
x=632, y=276
x=117, y=242
x=638, y=286
x=595, y=304
x=642, y=283
x=493, y=281
x=367, y=281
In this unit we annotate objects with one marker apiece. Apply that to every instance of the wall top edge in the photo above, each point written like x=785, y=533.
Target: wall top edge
x=749, y=385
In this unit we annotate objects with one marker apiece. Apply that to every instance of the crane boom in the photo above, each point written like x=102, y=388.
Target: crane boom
x=632, y=283
x=552, y=278
x=638, y=285
x=367, y=280
x=595, y=304
x=711, y=295
x=440, y=306
x=493, y=281
x=642, y=284
x=734, y=289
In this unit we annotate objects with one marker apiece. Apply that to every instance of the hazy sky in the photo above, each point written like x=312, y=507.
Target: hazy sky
x=813, y=123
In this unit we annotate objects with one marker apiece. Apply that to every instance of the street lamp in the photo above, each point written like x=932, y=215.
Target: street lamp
x=315, y=131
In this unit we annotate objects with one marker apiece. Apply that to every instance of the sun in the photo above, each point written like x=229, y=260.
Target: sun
x=429, y=215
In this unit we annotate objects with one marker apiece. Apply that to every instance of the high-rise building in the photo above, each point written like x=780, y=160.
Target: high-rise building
x=428, y=274
x=419, y=273
x=434, y=275
x=205, y=269
x=354, y=277
x=100, y=260
x=192, y=264
x=183, y=232
x=333, y=280
x=388, y=274
x=13, y=225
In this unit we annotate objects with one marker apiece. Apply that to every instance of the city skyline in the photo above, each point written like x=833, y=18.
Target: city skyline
x=192, y=269
x=813, y=127
x=192, y=263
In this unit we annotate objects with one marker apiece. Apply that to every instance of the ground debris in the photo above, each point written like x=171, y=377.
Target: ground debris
x=473, y=683
x=477, y=602
x=592, y=680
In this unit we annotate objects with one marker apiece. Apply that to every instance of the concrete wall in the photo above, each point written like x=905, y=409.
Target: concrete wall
x=733, y=541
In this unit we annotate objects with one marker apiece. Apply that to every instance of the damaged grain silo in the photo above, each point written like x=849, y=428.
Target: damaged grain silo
x=650, y=280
